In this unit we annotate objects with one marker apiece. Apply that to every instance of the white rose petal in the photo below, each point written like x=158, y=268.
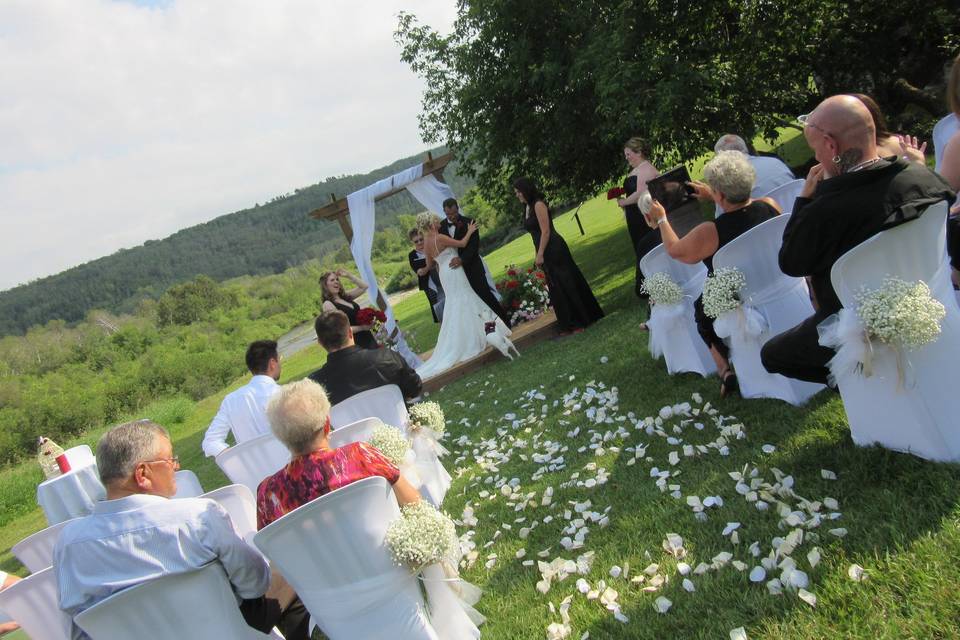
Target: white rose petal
x=813, y=557
x=840, y=532
x=856, y=573
x=730, y=528
x=738, y=634
x=807, y=597
x=662, y=605
x=758, y=574
x=683, y=568
x=768, y=448
x=826, y=474
x=615, y=571
x=688, y=585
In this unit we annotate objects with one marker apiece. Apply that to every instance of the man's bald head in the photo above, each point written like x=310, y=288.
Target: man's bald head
x=841, y=133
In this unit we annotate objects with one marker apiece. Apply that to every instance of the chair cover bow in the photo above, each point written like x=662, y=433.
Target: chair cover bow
x=663, y=319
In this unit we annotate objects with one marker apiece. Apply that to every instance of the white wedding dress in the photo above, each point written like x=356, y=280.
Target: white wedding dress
x=462, y=334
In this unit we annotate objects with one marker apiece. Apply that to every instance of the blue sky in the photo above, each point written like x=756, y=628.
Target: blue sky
x=127, y=120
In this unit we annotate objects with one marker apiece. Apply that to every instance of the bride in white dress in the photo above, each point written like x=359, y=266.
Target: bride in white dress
x=462, y=332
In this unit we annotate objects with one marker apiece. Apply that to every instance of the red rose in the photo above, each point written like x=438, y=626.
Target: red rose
x=541, y=275
x=530, y=270
x=516, y=304
x=513, y=284
x=614, y=193
x=511, y=272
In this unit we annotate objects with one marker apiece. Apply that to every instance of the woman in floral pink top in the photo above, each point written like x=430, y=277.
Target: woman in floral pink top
x=299, y=417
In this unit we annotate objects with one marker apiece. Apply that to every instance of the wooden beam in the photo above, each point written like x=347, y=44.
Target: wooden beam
x=339, y=207
x=345, y=226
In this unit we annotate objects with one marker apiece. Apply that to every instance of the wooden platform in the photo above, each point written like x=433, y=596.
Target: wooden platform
x=525, y=335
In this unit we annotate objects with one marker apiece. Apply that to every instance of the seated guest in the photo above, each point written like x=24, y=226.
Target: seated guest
x=6, y=580
x=428, y=280
x=949, y=168
x=138, y=534
x=851, y=195
x=729, y=179
x=350, y=369
x=243, y=410
x=300, y=418
x=771, y=172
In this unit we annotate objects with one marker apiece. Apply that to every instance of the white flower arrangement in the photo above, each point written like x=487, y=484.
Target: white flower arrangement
x=662, y=289
x=421, y=536
x=429, y=415
x=391, y=443
x=721, y=291
x=900, y=314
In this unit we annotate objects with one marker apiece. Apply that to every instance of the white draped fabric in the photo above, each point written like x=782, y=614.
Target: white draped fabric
x=70, y=495
x=907, y=401
x=673, y=332
x=773, y=302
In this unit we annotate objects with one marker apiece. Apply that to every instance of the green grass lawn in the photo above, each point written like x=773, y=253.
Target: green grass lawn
x=900, y=513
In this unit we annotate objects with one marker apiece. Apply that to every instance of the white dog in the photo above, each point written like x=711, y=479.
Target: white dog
x=497, y=333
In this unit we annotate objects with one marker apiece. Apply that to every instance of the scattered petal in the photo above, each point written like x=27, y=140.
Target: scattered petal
x=768, y=448
x=662, y=605
x=807, y=597
x=856, y=573
x=738, y=634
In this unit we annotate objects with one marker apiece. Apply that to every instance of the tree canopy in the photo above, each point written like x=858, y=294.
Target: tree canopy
x=552, y=89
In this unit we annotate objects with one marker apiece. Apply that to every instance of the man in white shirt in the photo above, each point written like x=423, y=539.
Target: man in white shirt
x=6, y=624
x=138, y=533
x=244, y=411
x=771, y=172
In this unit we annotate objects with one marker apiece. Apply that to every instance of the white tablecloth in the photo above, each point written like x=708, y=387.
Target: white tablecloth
x=70, y=495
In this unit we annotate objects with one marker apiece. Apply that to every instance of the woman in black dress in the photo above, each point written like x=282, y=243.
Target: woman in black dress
x=636, y=151
x=570, y=292
x=336, y=299
x=729, y=179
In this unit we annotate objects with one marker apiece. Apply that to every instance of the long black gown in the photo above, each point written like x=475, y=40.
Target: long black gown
x=362, y=339
x=570, y=293
x=642, y=237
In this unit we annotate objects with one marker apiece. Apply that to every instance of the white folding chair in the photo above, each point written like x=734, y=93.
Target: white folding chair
x=188, y=484
x=249, y=462
x=332, y=552
x=942, y=132
x=359, y=431
x=80, y=456
x=676, y=337
x=919, y=416
x=781, y=300
x=384, y=402
x=785, y=194
x=34, y=604
x=35, y=552
x=241, y=504
x=196, y=605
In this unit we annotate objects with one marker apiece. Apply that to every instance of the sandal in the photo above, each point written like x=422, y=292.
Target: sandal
x=728, y=383
x=644, y=327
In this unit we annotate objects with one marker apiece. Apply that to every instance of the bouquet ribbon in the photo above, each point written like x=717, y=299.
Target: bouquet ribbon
x=451, y=601
x=434, y=479
x=855, y=351
x=663, y=319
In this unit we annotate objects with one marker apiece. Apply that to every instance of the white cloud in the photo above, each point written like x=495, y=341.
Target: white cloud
x=122, y=122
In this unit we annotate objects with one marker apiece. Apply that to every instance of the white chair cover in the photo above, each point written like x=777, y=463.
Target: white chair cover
x=332, y=552
x=80, y=456
x=359, y=431
x=197, y=605
x=188, y=484
x=673, y=330
x=241, y=504
x=70, y=495
x=942, y=132
x=384, y=402
x=33, y=603
x=920, y=415
x=249, y=462
x=773, y=302
x=35, y=552
x=785, y=194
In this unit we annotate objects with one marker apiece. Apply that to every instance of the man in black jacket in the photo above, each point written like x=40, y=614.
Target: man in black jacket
x=851, y=195
x=428, y=281
x=455, y=226
x=350, y=369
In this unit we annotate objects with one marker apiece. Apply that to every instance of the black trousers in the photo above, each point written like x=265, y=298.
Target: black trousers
x=477, y=278
x=263, y=614
x=705, y=329
x=797, y=353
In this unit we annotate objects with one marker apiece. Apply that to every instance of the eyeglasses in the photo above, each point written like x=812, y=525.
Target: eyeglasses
x=805, y=121
x=173, y=461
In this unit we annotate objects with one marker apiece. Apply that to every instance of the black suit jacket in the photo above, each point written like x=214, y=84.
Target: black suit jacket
x=416, y=263
x=469, y=254
x=349, y=371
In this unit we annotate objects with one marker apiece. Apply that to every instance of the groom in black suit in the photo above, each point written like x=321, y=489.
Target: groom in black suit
x=455, y=226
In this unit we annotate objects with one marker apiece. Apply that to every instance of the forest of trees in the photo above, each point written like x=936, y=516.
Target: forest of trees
x=263, y=239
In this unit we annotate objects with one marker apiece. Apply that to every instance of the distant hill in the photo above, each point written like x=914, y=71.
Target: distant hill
x=263, y=239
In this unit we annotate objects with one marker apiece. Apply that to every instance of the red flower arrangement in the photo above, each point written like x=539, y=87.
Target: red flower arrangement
x=615, y=193
x=524, y=293
x=369, y=315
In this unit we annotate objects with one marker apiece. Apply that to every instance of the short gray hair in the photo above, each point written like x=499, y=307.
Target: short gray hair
x=730, y=173
x=731, y=142
x=297, y=413
x=125, y=446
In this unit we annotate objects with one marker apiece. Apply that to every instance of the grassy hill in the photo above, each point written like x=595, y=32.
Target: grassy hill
x=263, y=239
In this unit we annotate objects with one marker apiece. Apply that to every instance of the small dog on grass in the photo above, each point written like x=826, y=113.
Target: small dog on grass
x=497, y=334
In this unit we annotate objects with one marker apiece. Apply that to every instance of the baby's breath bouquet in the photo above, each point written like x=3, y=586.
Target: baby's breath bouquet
x=662, y=289
x=421, y=536
x=900, y=314
x=428, y=415
x=721, y=291
x=391, y=443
